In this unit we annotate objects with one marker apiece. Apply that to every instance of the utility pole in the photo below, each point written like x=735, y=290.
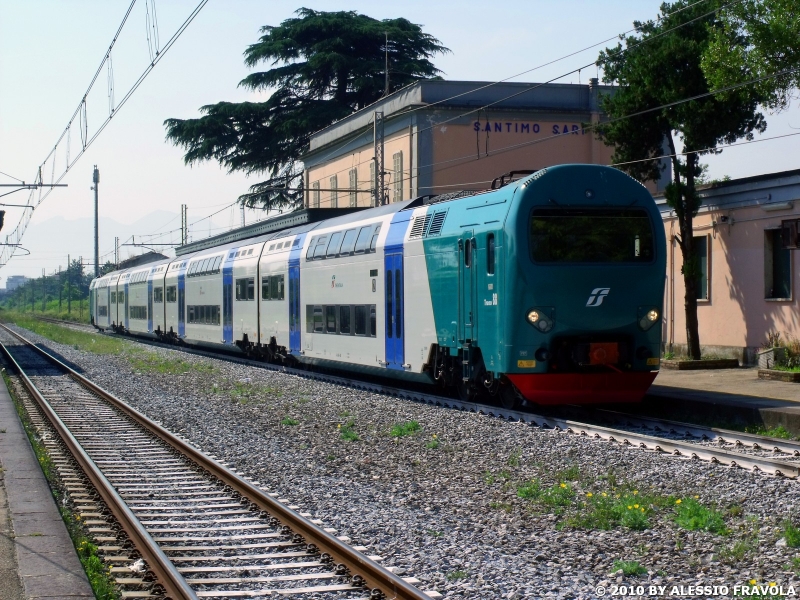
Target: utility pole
x=242, y=215
x=69, y=285
x=386, y=57
x=378, y=158
x=184, y=225
x=60, y=289
x=116, y=252
x=44, y=290
x=96, y=180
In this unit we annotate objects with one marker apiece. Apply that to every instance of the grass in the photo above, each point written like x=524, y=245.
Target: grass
x=504, y=506
x=794, y=566
x=630, y=568
x=606, y=511
x=776, y=432
x=434, y=533
x=692, y=515
x=734, y=553
x=347, y=431
x=144, y=361
x=403, y=429
x=80, y=340
x=792, y=534
x=433, y=444
x=456, y=575
x=571, y=473
x=245, y=393
x=289, y=421
x=557, y=497
x=513, y=459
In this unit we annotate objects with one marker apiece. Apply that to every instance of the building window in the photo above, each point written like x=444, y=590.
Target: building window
x=397, y=177
x=315, y=194
x=353, y=187
x=777, y=267
x=246, y=288
x=334, y=182
x=703, y=282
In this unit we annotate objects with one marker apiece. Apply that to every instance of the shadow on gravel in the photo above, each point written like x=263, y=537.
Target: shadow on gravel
x=60, y=357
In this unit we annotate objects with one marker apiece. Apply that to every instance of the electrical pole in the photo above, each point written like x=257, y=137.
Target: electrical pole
x=69, y=285
x=242, y=215
x=44, y=290
x=378, y=158
x=184, y=225
x=386, y=57
x=116, y=252
x=60, y=290
x=96, y=180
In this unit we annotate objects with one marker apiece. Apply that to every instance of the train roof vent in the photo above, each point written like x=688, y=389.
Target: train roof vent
x=420, y=225
x=436, y=223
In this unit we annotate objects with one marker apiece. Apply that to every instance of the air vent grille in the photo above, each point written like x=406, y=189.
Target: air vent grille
x=437, y=223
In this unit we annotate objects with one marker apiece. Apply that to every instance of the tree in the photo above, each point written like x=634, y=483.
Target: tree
x=758, y=39
x=660, y=65
x=325, y=66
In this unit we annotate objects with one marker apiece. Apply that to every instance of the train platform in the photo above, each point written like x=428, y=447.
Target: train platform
x=726, y=397
x=37, y=557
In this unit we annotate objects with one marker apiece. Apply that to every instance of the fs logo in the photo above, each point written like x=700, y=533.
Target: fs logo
x=597, y=297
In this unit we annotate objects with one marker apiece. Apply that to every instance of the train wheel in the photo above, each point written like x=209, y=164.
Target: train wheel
x=508, y=396
x=466, y=391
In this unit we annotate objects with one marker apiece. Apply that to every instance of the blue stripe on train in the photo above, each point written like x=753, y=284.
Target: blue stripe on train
x=294, y=293
x=227, y=297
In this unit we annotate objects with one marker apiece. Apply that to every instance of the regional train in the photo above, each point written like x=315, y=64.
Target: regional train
x=547, y=288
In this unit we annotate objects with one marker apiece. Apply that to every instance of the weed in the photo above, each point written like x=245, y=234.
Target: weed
x=776, y=432
x=504, y=506
x=792, y=534
x=531, y=490
x=571, y=473
x=557, y=497
x=629, y=567
x=513, y=460
x=692, y=515
x=80, y=340
x=795, y=566
x=330, y=457
x=734, y=553
x=488, y=477
x=290, y=421
x=347, y=431
x=735, y=510
x=434, y=533
x=433, y=444
x=404, y=429
x=144, y=361
x=245, y=392
x=606, y=511
x=456, y=575
x=661, y=573
x=669, y=355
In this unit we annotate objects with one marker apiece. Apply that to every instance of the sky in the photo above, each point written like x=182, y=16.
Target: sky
x=50, y=51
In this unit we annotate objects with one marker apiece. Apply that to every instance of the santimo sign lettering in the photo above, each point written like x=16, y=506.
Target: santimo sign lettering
x=516, y=127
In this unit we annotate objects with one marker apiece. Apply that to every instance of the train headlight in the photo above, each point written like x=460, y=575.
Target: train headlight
x=541, y=319
x=648, y=317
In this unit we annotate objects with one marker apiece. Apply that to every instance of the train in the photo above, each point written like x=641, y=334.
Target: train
x=547, y=288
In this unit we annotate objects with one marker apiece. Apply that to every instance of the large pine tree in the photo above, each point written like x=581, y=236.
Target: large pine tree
x=324, y=65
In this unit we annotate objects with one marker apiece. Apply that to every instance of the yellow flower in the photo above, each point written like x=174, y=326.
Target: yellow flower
x=696, y=497
x=604, y=494
x=563, y=485
x=339, y=426
x=630, y=507
x=772, y=584
x=635, y=506
x=588, y=494
x=641, y=509
x=635, y=492
x=753, y=582
x=434, y=436
x=678, y=501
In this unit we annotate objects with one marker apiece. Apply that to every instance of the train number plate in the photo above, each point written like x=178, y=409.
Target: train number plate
x=526, y=364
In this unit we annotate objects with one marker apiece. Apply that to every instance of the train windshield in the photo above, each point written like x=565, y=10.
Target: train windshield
x=585, y=235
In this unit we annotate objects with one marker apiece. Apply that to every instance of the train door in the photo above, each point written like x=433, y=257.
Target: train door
x=395, y=326
x=467, y=326
x=294, y=309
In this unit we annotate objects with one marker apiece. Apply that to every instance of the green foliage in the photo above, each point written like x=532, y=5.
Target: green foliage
x=734, y=553
x=347, y=431
x=80, y=340
x=758, y=38
x=513, y=459
x=328, y=65
x=791, y=534
x=606, y=511
x=630, y=568
x=557, y=497
x=433, y=444
x=404, y=429
x=776, y=432
x=144, y=361
x=289, y=421
x=456, y=575
x=692, y=515
x=246, y=393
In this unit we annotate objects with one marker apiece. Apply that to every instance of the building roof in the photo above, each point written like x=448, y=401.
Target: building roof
x=467, y=95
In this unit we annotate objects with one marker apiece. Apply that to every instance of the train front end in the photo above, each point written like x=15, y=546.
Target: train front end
x=585, y=284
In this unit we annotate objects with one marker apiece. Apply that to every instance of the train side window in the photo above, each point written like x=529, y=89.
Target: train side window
x=349, y=241
x=467, y=253
x=319, y=251
x=121, y=297
x=360, y=320
x=389, y=303
x=271, y=247
x=251, y=288
x=172, y=293
x=318, y=324
x=309, y=318
x=374, y=243
x=344, y=319
x=373, y=321
x=246, y=288
x=311, y=245
x=265, y=288
x=113, y=297
x=362, y=243
x=334, y=244
x=490, y=254
x=330, y=319
x=158, y=294
x=191, y=314
x=216, y=265
x=398, y=302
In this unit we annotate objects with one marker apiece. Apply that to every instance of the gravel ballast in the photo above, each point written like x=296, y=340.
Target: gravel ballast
x=446, y=509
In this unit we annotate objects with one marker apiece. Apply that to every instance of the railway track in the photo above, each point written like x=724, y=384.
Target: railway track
x=773, y=456
x=172, y=521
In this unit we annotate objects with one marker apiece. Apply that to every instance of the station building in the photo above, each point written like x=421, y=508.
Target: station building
x=746, y=233
x=447, y=136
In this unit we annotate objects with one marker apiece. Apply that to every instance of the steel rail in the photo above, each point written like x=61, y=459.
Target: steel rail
x=662, y=445
x=166, y=573
x=372, y=574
